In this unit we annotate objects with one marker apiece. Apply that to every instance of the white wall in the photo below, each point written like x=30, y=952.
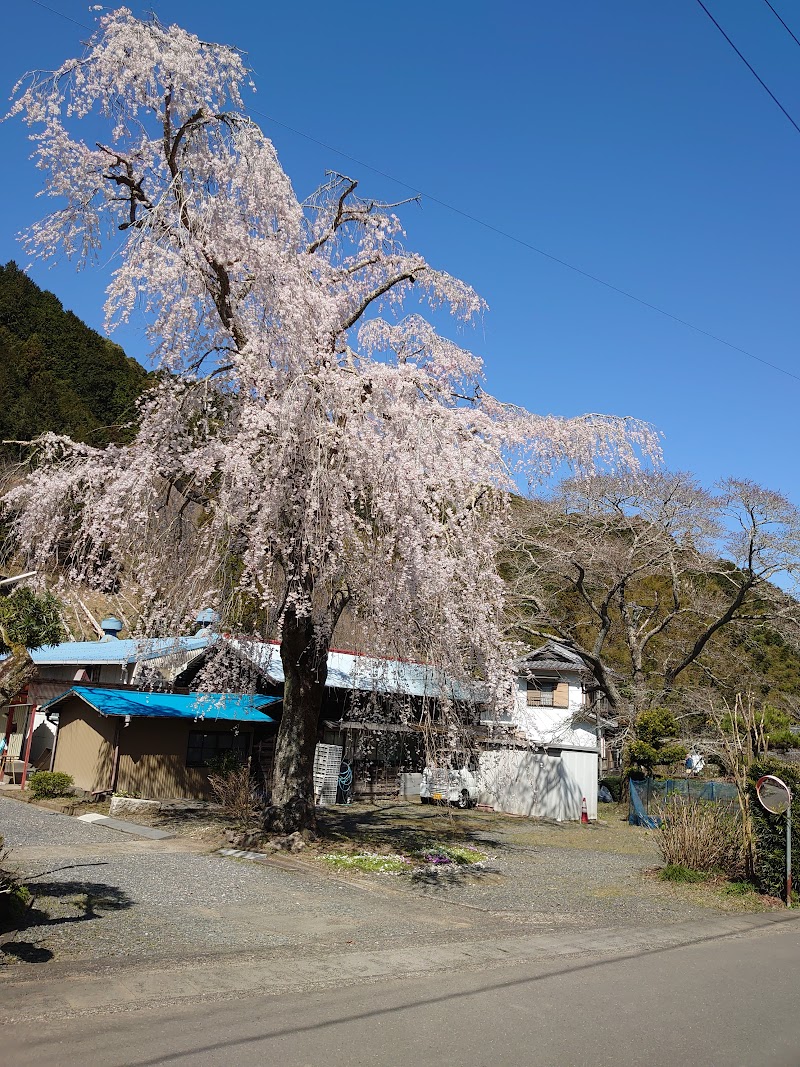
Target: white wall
x=523, y=782
x=554, y=726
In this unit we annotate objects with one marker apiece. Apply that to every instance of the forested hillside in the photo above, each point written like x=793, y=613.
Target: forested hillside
x=58, y=374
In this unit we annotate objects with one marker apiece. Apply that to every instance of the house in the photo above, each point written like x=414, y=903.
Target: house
x=110, y=660
x=536, y=757
x=153, y=745
x=372, y=708
x=541, y=754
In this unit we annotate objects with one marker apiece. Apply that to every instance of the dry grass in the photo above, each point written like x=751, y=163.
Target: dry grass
x=701, y=836
x=236, y=793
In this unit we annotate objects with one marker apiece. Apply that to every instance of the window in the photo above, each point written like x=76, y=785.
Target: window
x=548, y=693
x=204, y=749
x=501, y=715
x=541, y=694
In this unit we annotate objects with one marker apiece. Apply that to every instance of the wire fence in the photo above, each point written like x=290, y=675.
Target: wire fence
x=653, y=792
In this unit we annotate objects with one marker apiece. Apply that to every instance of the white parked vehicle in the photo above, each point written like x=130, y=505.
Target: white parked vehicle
x=445, y=785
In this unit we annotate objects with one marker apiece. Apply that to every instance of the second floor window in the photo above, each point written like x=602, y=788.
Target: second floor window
x=548, y=693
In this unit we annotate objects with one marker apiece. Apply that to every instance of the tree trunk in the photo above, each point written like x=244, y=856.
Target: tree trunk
x=15, y=673
x=304, y=653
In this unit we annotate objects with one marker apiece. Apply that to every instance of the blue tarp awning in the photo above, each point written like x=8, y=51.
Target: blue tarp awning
x=233, y=707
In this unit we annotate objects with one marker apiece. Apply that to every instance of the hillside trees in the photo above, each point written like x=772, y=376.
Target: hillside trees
x=28, y=620
x=56, y=374
x=318, y=444
x=644, y=571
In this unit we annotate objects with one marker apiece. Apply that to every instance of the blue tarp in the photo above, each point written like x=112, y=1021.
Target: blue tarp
x=637, y=815
x=233, y=707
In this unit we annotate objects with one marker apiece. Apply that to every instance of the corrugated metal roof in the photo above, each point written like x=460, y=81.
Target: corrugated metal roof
x=114, y=650
x=234, y=707
x=348, y=670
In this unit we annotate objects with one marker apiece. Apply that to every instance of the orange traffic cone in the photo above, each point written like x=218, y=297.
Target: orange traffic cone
x=584, y=811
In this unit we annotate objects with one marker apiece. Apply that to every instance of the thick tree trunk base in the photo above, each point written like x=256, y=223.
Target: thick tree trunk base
x=297, y=814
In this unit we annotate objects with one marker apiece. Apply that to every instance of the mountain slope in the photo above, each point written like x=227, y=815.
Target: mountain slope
x=58, y=374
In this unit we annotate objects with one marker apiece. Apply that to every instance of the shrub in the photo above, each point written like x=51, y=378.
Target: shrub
x=14, y=898
x=237, y=794
x=770, y=830
x=50, y=784
x=614, y=786
x=701, y=836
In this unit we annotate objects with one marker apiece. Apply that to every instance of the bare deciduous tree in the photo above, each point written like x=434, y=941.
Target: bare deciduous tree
x=646, y=569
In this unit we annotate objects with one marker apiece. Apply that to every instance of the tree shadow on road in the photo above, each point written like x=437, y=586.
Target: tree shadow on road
x=56, y=904
x=407, y=827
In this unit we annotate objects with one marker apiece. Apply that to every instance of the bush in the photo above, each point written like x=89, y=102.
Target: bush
x=14, y=898
x=770, y=830
x=701, y=836
x=50, y=784
x=237, y=795
x=674, y=872
x=614, y=786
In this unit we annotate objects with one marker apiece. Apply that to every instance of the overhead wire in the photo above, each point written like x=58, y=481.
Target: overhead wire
x=752, y=69
x=778, y=17
x=511, y=236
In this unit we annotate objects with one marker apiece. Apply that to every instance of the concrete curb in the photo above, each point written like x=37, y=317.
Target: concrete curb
x=124, y=827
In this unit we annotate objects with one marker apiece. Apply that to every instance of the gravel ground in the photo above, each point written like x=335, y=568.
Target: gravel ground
x=105, y=896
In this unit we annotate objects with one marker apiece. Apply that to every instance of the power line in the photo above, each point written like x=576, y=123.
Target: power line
x=777, y=16
x=531, y=247
x=61, y=14
x=758, y=78
x=513, y=237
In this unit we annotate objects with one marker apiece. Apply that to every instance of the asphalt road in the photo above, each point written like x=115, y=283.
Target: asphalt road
x=728, y=1001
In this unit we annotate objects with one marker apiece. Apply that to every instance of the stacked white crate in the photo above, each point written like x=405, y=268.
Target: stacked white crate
x=327, y=762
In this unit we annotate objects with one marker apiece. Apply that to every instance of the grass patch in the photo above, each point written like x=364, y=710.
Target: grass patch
x=676, y=872
x=372, y=862
x=738, y=889
x=444, y=854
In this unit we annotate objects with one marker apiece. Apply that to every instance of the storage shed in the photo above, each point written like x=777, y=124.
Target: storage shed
x=157, y=746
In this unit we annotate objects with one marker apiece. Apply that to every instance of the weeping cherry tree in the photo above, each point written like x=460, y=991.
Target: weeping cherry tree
x=315, y=443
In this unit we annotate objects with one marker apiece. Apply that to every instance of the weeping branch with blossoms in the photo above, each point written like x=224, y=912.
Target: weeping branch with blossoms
x=314, y=444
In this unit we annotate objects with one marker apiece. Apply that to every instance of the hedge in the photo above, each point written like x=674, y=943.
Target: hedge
x=770, y=830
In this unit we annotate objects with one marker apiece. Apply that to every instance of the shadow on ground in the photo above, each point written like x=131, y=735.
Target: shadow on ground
x=406, y=828
x=57, y=903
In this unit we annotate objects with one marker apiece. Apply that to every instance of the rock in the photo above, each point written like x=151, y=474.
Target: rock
x=295, y=842
x=132, y=806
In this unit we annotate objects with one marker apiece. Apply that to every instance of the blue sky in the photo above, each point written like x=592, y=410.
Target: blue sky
x=625, y=138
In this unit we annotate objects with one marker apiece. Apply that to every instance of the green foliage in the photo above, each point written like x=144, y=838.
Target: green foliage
x=43, y=784
x=676, y=872
x=14, y=897
x=56, y=374
x=770, y=830
x=29, y=619
x=738, y=889
x=614, y=786
x=652, y=747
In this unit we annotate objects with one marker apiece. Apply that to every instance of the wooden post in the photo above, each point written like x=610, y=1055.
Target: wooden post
x=28, y=742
